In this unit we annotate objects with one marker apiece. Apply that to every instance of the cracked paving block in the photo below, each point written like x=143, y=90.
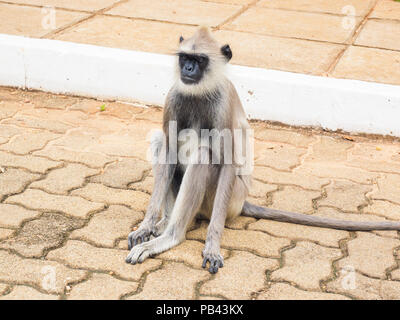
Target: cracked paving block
x=258, y=242
x=39, y=200
x=337, y=171
x=79, y=254
x=243, y=274
x=42, y=234
x=38, y=273
x=384, y=208
x=284, y=291
x=387, y=188
x=294, y=199
x=260, y=190
x=285, y=136
x=277, y=155
x=370, y=254
x=345, y=195
x=62, y=180
x=92, y=159
x=38, y=123
x=188, y=252
x=97, y=192
x=15, y=180
x=329, y=149
x=101, y=287
x=306, y=264
x=290, y=178
x=29, y=162
x=327, y=237
x=106, y=227
x=174, y=281
x=121, y=173
x=27, y=293
x=362, y=287
x=28, y=142
x=5, y=233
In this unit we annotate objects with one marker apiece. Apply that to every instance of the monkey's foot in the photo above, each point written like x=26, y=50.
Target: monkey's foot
x=138, y=254
x=215, y=259
x=144, y=250
x=139, y=236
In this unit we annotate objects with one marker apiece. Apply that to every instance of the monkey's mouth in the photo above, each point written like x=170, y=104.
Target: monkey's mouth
x=189, y=80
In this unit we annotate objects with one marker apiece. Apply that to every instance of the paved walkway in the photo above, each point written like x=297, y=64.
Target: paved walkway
x=355, y=39
x=74, y=182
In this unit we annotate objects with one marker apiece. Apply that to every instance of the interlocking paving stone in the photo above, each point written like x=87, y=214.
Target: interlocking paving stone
x=39, y=200
x=284, y=291
x=99, y=193
x=384, y=208
x=387, y=188
x=345, y=195
x=233, y=281
x=28, y=142
x=306, y=264
x=64, y=179
x=322, y=236
x=40, y=273
x=5, y=233
x=14, y=181
x=121, y=173
x=188, y=252
x=294, y=199
x=362, y=287
x=27, y=293
x=259, y=242
x=101, y=287
x=108, y=226
x=3, y=288
x=79, y=254
x=92, y=159
x=40, y=234
x=370, y=254
x=174, y=281
x=39, y=123
x=260, y=190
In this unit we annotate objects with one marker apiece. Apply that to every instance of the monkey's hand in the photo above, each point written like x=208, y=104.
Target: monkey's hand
x=214, y=258
x=141, y=235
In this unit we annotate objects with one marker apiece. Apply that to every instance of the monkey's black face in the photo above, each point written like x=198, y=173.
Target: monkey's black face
x=192, y=67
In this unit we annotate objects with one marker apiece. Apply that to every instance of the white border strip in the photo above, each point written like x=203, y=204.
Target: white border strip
x=108, y=73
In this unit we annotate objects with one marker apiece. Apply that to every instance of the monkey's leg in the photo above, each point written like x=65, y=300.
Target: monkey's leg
x=188, y=202
x=163, y=174
x=223, y=195
x=166, y=213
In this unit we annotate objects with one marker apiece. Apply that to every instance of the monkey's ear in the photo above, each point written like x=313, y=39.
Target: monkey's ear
x=227, y=52
x=181, y=39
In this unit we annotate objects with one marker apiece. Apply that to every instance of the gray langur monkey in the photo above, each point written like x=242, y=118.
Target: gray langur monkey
x=203, y=98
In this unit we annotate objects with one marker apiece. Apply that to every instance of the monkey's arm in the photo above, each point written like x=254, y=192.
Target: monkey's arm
x=211, y=252
x=251, y=210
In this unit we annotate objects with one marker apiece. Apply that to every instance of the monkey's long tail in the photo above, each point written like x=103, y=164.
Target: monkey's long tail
x=251, y=210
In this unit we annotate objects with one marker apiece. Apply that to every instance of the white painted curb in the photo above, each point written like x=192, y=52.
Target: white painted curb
x=108, y=73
